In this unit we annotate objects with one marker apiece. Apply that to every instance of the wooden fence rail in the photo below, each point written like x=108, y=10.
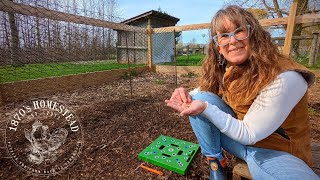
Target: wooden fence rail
x=294, y=38
x=314, y=51
x=309, y=19
x=12, y=7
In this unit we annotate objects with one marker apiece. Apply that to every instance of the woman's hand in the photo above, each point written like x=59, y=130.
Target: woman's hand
x=196, y=107
x=181, y=101
x=181, y=95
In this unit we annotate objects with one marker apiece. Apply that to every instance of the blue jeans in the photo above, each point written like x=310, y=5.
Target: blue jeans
x=263, y=163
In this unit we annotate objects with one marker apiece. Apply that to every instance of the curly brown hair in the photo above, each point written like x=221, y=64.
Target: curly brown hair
x=259, y=70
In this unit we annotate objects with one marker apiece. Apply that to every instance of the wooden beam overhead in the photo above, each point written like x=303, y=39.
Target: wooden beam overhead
x=182, y=28
x=13, y=7
x=302, y=19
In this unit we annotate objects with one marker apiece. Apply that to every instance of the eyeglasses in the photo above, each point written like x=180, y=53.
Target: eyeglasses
x=239, y=34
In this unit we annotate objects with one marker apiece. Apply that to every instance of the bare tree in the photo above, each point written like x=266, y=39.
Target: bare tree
x=30, y=39
x=302, y=9
x=14, y=39
x=38, y=29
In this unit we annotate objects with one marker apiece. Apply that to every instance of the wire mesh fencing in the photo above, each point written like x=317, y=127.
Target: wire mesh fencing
x=42, y=39
x=39, y=39
x=163, y=47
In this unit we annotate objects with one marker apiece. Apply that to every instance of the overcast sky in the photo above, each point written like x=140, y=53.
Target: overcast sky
x=189, y=12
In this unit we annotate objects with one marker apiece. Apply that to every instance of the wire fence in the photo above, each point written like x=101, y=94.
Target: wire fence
x=40, y=39
x=45, y=45
x=168, y=48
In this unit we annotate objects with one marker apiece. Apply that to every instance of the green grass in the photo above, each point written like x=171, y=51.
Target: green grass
x=304, y=60
x=159, y=81
x=187, y=60
x=190, y=75
x=196, y=60
x=128, y=75
x=9, y=73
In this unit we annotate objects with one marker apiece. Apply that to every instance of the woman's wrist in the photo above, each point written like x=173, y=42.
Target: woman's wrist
x=205, y=106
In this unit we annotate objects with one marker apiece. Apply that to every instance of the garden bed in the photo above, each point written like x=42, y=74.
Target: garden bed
x=117, y=126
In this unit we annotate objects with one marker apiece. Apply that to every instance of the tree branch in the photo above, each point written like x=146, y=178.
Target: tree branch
x=276, y=9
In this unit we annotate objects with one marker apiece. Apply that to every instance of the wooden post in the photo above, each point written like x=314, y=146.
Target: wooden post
x=317, y=50
x=150, y=64
x=175, y=60
x=290, y=28
x=313, y=52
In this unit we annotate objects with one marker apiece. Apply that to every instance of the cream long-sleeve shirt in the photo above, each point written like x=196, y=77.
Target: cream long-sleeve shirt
x=268, y=111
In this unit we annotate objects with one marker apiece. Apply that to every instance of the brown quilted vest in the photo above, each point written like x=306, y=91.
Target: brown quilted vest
x=296, y=126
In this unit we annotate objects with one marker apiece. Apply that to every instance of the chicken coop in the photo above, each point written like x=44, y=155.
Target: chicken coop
x=133, y=46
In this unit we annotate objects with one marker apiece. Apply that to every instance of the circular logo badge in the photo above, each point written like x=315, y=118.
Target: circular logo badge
x=43, y=136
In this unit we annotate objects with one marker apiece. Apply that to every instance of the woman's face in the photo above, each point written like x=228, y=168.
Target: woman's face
x=236, y=51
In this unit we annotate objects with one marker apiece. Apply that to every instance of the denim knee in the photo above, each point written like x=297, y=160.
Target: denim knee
x=205, y=96
x=214, y=100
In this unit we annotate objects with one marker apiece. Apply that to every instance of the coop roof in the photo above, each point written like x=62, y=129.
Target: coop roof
x=151, y=14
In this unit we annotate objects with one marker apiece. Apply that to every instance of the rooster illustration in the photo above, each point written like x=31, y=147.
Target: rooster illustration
x=44, y=145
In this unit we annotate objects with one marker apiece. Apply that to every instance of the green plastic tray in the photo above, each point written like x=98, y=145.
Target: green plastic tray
x=170, y=153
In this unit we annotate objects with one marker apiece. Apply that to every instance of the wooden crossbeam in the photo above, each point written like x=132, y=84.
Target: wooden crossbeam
x=302, y=19
x=9, y=6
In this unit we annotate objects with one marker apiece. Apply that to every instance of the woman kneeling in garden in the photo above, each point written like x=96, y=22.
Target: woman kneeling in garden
x=251, y=101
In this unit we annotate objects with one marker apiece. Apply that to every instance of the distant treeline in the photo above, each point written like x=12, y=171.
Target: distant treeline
x=28, y=39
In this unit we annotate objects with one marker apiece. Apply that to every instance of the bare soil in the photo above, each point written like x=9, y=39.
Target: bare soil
x=118, y=125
